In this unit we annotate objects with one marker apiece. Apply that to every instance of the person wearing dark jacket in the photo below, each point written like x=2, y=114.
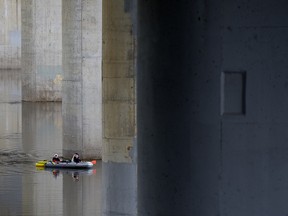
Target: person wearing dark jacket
x=76, y=158
x=56, y=158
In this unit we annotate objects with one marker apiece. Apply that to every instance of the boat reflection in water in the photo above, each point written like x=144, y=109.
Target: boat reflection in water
x=63, y=191
x=74, y=173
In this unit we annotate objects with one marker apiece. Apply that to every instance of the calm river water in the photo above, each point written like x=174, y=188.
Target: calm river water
x=33, y=131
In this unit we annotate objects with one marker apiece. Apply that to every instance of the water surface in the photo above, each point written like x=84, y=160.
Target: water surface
x=30, y=132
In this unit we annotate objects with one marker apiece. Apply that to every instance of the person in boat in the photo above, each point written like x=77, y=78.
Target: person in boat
x=76, y=158
x=56, y=158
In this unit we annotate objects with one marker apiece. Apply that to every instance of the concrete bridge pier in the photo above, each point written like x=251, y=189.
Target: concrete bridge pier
x=119, y=108
x=10, y=34
x=41, y=50
x=178, y=70
x=119, y=101
x=82, y=80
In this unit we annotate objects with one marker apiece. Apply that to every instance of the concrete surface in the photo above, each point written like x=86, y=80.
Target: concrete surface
x=82, y=83
x=119, y=101
x=254, y=146
x=10, y=34
x=41, y=50
x=212, y=108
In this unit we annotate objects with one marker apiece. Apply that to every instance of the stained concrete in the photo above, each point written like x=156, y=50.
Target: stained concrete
x=82, y=82
x=10, y=34
x=41, y=35
x=119, y=100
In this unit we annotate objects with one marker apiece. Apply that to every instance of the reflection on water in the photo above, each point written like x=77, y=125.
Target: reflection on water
x=10, y=111
x=10, y=86
x=33, y=131
x=30, y=132
x=42, y=129
x=74, y=173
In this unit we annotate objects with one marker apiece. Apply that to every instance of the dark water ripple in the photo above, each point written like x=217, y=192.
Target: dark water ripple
x=16, y=157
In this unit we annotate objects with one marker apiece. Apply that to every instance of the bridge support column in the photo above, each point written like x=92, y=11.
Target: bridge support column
x=119, y=104
x=178, y=133
x=41, y=50
x=10, y=34
x=82, y=82
x=119, y=108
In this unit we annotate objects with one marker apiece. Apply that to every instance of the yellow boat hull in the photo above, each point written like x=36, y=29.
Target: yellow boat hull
x=41, y=163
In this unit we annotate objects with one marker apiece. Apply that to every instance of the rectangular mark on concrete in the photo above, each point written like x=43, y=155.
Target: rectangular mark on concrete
x=233, y=93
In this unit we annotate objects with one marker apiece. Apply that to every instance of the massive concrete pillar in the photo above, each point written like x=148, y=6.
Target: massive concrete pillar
x=178, y=75
x=41, y=50
x=119, y=123
x=82, y=83
x=254, y=119
x=10, y=34
x=119, y=108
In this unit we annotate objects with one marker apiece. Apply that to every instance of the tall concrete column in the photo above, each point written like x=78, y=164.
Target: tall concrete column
x=41, y=50
x=82, y=83
x=178, y=75
x=10, y=34
x=119, y=104
x=119, y=108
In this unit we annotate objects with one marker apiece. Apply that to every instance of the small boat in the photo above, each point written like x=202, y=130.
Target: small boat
x=65, y=164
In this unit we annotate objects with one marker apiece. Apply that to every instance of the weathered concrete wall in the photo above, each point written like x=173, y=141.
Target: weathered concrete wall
x=82, y=83
x=41, y=50
x=254, y=141
x=10, y=34
x=119, y=102
x=212, y=101
x=178, y=111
